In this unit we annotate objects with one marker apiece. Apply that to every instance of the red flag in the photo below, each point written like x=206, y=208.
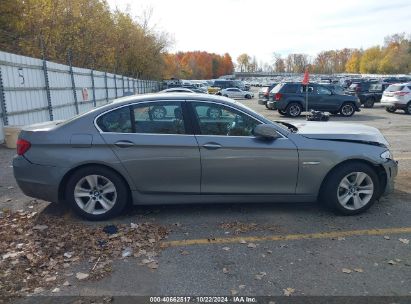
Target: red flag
x=306, y=79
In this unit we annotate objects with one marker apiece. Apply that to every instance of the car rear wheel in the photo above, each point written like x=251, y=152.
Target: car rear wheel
x=347, y=109
x=96, y=193
x=351, y=189
x=369, y=103
x=390, y=109
x=294, y=109
x=248, y=96
x=408, y=108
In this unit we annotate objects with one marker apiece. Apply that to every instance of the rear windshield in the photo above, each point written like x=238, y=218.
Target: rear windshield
x=395, y=88
x=264, y=89
x=376, y=87
x=277, y=88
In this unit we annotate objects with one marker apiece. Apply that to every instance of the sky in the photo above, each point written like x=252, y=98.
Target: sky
x=262, y=27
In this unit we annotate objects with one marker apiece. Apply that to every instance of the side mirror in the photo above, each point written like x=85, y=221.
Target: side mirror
x=266, y=131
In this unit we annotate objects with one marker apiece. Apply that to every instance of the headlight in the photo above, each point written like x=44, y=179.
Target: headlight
x=386, y=155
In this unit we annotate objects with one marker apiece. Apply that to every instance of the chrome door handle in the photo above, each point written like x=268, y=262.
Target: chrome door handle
x=212, y=146
x=124, y=144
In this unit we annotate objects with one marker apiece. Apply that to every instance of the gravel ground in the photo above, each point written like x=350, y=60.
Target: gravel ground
x=361, y=262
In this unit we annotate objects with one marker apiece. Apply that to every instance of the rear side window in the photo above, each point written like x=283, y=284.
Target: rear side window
x=150, y=118
x=117, y=121
x=395, y=88
x=159, y=118
x=289, y=88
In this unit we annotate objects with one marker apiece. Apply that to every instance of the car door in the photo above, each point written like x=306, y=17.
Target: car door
x=234, y=161
x=155, y=144
x=327, y=101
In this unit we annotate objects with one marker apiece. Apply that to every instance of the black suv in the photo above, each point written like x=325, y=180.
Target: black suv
x=373, y=95
x=290, y=99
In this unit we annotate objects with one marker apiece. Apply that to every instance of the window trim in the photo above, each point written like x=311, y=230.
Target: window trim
x=189, y=132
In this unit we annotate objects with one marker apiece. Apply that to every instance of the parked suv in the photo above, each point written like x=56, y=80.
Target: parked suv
x=397, y=96
x=373, y=95
x=290, y=99
x=264, y=94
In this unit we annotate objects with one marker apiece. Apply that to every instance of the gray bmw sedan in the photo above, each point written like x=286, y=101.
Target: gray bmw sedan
x=197, y=148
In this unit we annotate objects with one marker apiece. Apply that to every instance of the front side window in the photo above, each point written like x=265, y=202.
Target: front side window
x=159, y=118
x=217, y=119
x=323, y=91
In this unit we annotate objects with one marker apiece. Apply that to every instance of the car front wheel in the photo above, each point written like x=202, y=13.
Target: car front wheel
x=408, y=108
x=96, y=193
x=248, y=96
x=369, y=103
x=351, y=188
x=347, y=110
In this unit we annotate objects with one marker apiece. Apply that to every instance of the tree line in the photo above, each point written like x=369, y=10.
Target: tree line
x=90, y=35
x=393, y=57
x=197, y=65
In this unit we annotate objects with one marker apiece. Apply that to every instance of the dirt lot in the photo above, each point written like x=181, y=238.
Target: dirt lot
x=247, y=249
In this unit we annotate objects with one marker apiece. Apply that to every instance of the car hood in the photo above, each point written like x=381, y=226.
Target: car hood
x=341, y=132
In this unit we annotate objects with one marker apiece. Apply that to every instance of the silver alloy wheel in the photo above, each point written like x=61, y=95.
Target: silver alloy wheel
x=355, y=190
x=95, y=194
x=347, y=110
x=295, y=110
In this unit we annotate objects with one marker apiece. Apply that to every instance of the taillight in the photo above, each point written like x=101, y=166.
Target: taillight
x=278, y=96
x=22, y=146
x=400, y=93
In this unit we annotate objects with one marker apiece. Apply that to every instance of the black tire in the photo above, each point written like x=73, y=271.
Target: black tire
x=369, y=103
x=330, y=190
x=390, y=109
x=407, y=110
x=214, y=113
x=225, y=95
x=248, y=96
x=347, y=109
x=281, y=112
x=294, y=109
x=120, y=187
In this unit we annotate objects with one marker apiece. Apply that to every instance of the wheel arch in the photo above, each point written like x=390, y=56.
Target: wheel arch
x=379, y=170
x=63, y=182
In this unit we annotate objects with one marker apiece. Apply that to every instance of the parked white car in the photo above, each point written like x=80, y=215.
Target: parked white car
x=236, y=93
x=397, y=96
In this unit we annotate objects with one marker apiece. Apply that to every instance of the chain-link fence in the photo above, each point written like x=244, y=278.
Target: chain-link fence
x=34, y=90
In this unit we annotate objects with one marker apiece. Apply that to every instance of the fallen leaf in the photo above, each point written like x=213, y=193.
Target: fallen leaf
x=152, y=265
x=346, y=270
x=184, y=252
x=288, y=291
x=358, y=270
x=225, y=270
x=81, y=276
x=269, y=251
x=233, y=292
x=40, y=227
x=226, y=248
x=66, y=283
x=51, y=279
x=251, y=245
x=243, y=242
x=56, y=290
x=340, y=238
x=386, y=237
x=391, y=262
x=404, y=241
x=241, y=286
